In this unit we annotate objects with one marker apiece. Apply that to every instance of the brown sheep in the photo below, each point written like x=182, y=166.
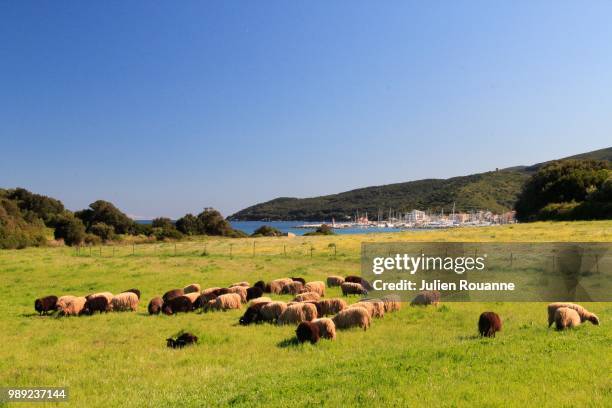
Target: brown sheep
x=261, y=285
x=327, y=328
x=369, y=307
x=301, y=280
x=155, y=305
x=293, y=288
x=134, y=291
x=225, y=302
x=245, y=284
x=425, y=298
x=297, y=313
x=352, y=317
x=254, y=293
x=566, y=318
x=352, y=288
x=96, y=304
x=307, y=331
x=209, y=294
x=193, y=288
x=392, y=303
x=109, y=296
x=45, y=304
x=63, y=301
x=582, y=312
x=270, y=312
x=378, y=306
x=307, y=296
x=262, y=299
x=240, y=291
x=316, y=286
x=179, y=304
x=489, y=323
x=172, y=294
x=125, y=301
x=72, y=307
x=334, y=281
x=277, y=285
x=194, y=298
x=327, y=307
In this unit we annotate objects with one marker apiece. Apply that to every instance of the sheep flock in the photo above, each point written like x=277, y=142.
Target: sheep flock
x=315, y=316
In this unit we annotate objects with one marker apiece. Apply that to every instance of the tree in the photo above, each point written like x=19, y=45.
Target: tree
x=267, y=231
x=559, y=188
x=70, y=229
x=107, y=213
x=162, y=222
x=105, y=232
x=188, y=225
x=43, y=207
x=211, y=222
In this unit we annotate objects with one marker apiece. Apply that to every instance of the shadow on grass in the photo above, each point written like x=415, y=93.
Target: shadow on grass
x=290, y=342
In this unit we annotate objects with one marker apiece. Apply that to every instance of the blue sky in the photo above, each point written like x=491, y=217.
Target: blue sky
x=167, y=107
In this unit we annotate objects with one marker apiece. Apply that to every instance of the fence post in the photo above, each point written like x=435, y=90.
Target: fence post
x=285, y=250
x=90, y=250
x=311, y=249
x=175, y=249
x=100, y=251
x=133, y=249
x=231, y=246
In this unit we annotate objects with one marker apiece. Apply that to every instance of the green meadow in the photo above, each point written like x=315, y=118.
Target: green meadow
x=417, y=356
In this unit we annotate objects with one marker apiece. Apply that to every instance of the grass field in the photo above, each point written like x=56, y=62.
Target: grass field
x=424, y=356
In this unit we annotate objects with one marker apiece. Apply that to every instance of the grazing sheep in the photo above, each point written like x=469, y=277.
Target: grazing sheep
x=392, y=303
x=107, y=295
x=566, y=317
x=134, y=291
x=194, y=287
x=172, y=294
x=261, y=285
x=209, y=294
x=45, y=304
x=297, y=313
x=262, y=299
x=352, y=317
x=253, y=293
x=240, y=291
x=369, y=307
x=307, y=331
x=277, y=285
x=225, y=302
x=96, y=304
x=252, y=314
x=327, y=328
x=270, y=312
x=489, y=323
x=245, y=284
x=155, y=305
x=426, y=297
x=194, y=298
x=63, y=301
x=378, y=306
x=352, y=288
x=316, y=286
x=181, y=341
x=307, y=297
x=125, y=301
x=72, y=307
x=334, y=281
x=301, y=280
x=180, y=304
x=293, y=288
x=353, y=279
x=582, y=312
x=330, y=306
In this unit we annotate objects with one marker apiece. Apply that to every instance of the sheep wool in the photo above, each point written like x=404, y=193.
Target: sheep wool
x=582, y=312
x=63, y=301
x=378, y=306
x=330, y=306
x=277, y=285
x=240, y=291
x=263, y=299
x=352, y=317
x=73, y=307
x=392, y=303
x=369, y=307
x=566, y=318
x=270, y=312
x=334, y=281
x=489, y=323
x=307, y=296
x=293, y=288
x=245, y=284
x=194, y=287
x=226, y=302
x=307, y=331
x=352, y=288
x=316, y=286
x=155, y=305
x=297, y=313
x=126, y=301
x=426, y=297
x=327, y=328
x=109, y=296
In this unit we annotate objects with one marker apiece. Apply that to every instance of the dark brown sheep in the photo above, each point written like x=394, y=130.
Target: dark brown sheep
x=177, y=305
x=252, y=314
x=155, y=305
x=45, y=304
x=181, y=341
x=353, y=279
x=489, y=323
x=96, y=304
x=254, y=293
x=261, y=285
x=172, y=294
x=134, y=291
x=301, y=280
x=307, y=331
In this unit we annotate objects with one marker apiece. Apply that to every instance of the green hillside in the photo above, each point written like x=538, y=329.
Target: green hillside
x=496, y=191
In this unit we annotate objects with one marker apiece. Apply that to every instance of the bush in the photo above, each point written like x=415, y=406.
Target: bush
x=161, y=234
x=188, y=225
x=105, y=232
x=70, y=229
x=162, y=222
x=104, y=212
x=322, y=230
x=266, y=231
x=15, y=230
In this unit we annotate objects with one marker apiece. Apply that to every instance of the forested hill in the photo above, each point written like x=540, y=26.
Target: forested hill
x=496, y=191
